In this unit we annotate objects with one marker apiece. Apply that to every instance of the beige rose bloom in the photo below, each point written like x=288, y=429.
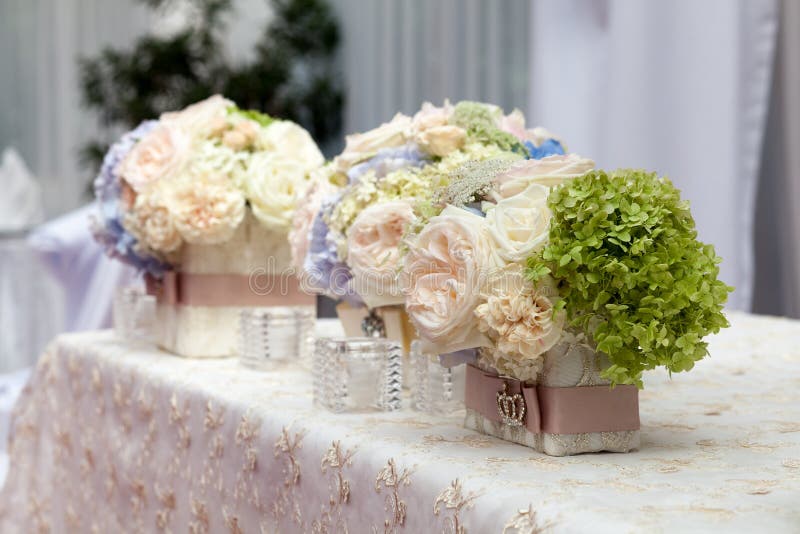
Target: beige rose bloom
x=549, y=171
x=519, y=319
x=206, y=210
x=161, y=154
x=207, y=117
x=373, y=253
x=361, y=146
x=442, y=275
x=520, y=225
x=152, y=224
x=441, y=140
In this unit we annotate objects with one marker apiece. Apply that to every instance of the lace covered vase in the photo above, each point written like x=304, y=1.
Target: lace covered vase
x=550, y=400
x=199, y=305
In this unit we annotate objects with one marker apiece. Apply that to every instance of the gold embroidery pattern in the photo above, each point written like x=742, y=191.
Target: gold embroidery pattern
x=287, y=500
x=390, y=479
x=453, y=499
x=331, y=519
x=524, y=522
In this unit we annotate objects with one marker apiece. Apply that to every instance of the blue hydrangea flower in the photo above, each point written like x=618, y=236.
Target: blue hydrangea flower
x=325, y=272
x=108, y=229
x=550, y=147
x=387, y=160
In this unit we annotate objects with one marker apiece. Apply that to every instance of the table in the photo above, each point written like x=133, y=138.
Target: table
x=113, y=438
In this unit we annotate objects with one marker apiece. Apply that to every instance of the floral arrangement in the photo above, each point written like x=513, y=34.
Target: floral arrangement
x=347, y=237
x=191, y=176
x=553, y=251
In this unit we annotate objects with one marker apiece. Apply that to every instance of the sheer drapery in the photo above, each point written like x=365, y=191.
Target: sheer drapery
x=777, y=237
x=678, y=87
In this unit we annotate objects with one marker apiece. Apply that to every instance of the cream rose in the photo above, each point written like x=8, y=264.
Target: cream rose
x=161, y=154
x=443, y=272
x=441, y=140
x=550, y=171
x=430, y=116
x=303, y=217
x=273, y=185
x=372, y=251
x=361, y=146
x=205, y=118
x=519, y=318
x=290, y=142
x=206, y=210
x=519, y=225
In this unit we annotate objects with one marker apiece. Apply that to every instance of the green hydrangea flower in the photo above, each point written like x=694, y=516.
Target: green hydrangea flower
x=632, y=273
x=261, y=118
x=480, y=121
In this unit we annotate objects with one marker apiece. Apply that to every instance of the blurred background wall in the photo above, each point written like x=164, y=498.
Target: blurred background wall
x=704, y=92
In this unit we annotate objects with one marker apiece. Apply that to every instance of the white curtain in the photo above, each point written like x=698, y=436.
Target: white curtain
x=777, y=237
x=397, y=54
x=678, y=87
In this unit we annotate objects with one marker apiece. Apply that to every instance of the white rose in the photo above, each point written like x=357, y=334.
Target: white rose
x=372, y=251
x=161, y=154
x=550, y=171
x=290, y=142
x=442, y=276
x=274, y=185
x=361, y=146
x=205, y=210
x=519, y=225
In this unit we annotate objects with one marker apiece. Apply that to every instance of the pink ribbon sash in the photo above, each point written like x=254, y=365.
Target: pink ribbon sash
x=228, y=289
x=551, y=410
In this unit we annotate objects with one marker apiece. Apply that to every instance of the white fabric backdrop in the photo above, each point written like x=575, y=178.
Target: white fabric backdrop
x=678, y=87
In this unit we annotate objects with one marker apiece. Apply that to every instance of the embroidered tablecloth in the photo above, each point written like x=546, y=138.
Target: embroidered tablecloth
x=113, y=438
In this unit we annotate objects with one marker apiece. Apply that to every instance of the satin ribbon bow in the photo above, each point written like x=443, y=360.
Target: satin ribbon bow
x=551, y=410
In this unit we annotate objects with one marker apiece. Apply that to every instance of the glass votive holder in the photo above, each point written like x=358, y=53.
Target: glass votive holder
x=134, y=315
x=306, y=317
x=267, y=337
x=358, y=374
x=436, y=389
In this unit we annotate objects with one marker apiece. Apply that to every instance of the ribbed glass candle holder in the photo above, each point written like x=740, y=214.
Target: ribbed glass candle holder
x=358, y=374
x=134, y=315
x=268, y=337
x=306, y=318
x=436, y=389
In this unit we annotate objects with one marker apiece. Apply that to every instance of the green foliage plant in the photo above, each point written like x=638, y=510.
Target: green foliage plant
x=632, y=273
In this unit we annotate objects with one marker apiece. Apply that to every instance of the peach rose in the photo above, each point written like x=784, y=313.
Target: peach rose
x=161, y=154
x=520, y=225
x=152, y=224
x=442, y=275
x=519, y=318
x=206, y=118
x=372, y=251
x=206, y=210
x=549, y=171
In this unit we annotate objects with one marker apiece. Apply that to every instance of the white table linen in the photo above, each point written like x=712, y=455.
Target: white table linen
x=112, y=438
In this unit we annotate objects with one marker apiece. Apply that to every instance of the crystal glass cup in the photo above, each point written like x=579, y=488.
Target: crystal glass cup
x=358, y=374
x=134, y=315
x=306, y=318
x=436, y=389
x=268, y=337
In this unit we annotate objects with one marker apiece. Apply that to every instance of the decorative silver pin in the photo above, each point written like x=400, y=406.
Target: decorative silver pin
x=511, y=407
